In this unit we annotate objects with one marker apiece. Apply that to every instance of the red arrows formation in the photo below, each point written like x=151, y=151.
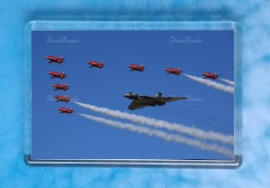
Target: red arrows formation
x=64, y=87
x=100, y=65
x=141, y=68
x=133, y=67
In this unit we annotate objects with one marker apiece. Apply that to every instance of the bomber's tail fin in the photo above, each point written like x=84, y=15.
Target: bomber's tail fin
x=158, y=94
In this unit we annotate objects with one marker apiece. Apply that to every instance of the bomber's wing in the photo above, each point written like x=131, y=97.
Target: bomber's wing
x=135, y=105
x=169, y=99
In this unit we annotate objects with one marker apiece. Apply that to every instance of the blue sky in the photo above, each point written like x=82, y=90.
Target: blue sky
x=71, y=136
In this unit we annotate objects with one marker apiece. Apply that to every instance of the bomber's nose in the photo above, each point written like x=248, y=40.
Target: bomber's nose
x=127, y=95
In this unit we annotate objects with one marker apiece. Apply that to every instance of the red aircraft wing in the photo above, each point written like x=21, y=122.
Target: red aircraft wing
x=55, y=59
x=62, y=98
x=59, y=86
x=173, y=71
x=136, y=67
x=213, y=76
x=96, y=64
x=65, y=110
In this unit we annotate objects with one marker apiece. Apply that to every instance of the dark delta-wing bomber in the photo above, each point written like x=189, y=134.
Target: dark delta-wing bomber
x=141, y=101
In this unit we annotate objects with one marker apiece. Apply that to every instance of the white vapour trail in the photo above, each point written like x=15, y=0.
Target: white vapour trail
x=227, y=81
x=163, y=135
x=219, y=86
x=192, y=131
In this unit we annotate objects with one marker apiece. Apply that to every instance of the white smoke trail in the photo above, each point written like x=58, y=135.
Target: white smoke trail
x=227, y=81
x=219, y=86
x=163, y=135
x=192, y=131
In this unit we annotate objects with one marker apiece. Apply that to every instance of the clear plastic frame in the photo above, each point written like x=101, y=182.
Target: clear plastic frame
x=133, y=93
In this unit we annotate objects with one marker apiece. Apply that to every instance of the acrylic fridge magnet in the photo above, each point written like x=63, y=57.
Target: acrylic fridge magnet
x=133, y=94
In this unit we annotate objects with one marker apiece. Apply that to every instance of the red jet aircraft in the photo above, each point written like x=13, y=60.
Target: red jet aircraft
x=59, y=86
x=66, y=110
x=57, y=74
x=173, y=71
x=55, y=59
x=62, y=98
x=210, y=75
x=96, y=64
x=136, y=67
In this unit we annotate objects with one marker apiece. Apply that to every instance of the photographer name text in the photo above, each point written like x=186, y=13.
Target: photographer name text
x=185, y=39
x=62, y=39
